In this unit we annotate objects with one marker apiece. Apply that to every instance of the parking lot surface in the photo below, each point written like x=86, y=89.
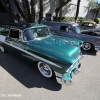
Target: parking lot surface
x=22, y=81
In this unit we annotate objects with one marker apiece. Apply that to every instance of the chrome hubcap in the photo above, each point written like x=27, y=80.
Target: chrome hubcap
x=44, y=69
x=86, y=46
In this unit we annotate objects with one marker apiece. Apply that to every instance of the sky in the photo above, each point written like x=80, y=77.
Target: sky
x=98, y=1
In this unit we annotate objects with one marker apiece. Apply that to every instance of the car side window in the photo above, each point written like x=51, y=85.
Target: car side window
x=91, y=25
x=65, y=28
x=84, y=24
x=14, y=33
x=4, y=31
x=52, y=27
x=28, y=35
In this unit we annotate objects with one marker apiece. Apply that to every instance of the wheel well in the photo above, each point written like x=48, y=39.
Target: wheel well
x=91, y=45
x=35, y=63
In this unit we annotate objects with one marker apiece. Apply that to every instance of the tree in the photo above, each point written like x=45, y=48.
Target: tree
x=19, y=9
x=77, y=11
x=41, y=11
x=98, y=9
x=92, y=4
x=27, y=14
x=57, y=10
x=26, y=10
x=33, y=10
x=14, y=16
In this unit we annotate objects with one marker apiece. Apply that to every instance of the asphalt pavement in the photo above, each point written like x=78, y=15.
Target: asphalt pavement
x=22, y=81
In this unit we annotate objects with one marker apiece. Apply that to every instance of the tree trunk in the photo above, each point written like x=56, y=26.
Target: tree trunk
x=77, y=11
x=14, y=16
x=26, y=11
x=19, y=9
x=33, y=10
x=88, y=11
x=41, y=11
x=57, y=10
x=97, y=13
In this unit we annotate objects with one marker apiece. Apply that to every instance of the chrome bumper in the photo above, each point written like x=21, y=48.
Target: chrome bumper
x=60, y=79
x=97, y=48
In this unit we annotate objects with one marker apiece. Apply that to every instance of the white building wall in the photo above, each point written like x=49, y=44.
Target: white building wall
x=49, y=7
x=83, y=8
x=70, y=9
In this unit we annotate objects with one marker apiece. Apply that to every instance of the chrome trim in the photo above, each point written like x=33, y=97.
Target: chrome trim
x=40, y=58
x=67, y=82
x=77, y=70
x=58, y=74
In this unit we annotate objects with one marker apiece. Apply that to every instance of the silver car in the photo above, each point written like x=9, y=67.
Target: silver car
x=90, y=37
x=88, y=25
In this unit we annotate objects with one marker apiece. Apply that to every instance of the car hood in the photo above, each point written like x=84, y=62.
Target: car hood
x=57, y=47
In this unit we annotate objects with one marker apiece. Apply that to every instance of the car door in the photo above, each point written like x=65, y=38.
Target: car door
x=13, y=42
x=71, y=32
x=65, y=30
x=28, y=37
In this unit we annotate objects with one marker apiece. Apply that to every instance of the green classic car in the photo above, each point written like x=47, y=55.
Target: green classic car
x=55, y=55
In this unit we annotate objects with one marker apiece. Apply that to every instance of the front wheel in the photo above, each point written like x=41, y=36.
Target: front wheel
x=45, y=70
x=87, y=46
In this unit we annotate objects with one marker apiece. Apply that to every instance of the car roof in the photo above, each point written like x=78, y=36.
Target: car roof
x=88, y=22
x=22, y=26
x=64, y=23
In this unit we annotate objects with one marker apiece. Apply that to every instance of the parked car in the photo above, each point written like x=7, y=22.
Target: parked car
x=55, y=55
x=88, y=25
x=91, y=37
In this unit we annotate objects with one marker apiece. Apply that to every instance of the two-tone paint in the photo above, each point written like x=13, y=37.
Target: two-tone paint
x=62, y=54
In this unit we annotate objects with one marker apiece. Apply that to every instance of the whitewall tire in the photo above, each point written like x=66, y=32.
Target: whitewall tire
x=45, y=70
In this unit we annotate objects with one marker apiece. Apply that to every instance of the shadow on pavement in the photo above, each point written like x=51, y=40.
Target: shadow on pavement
x=93, y=53
x=27, y=74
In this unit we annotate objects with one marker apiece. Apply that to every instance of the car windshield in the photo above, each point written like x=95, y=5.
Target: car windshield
x=77, y=29
x=36, y=33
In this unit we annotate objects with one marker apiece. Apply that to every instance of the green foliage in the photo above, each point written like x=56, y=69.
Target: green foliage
x=63, y=19
x=67, y=19
x=97, y=20
x=71, y=19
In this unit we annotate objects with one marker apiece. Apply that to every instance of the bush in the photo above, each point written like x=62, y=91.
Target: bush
x=63, y=19
x=71, y=19
x=67, y=19
x=97, y=20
